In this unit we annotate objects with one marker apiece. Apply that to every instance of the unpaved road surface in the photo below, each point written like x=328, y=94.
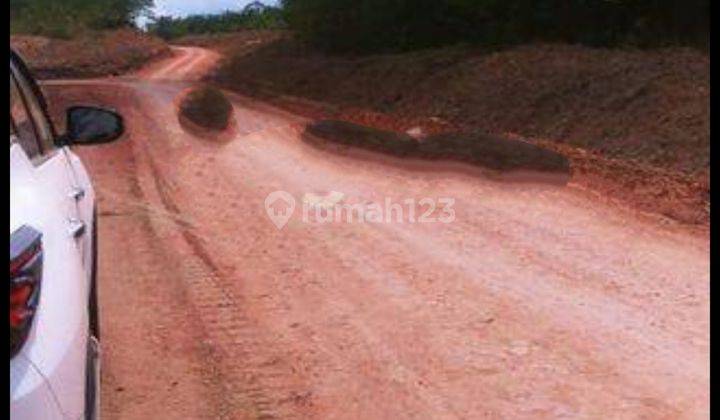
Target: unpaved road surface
x=535, y=302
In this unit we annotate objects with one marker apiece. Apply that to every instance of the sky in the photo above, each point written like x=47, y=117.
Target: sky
x=194, y=7
x=180, y=8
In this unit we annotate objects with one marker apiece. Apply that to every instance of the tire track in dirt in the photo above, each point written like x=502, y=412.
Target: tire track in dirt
x=187, y=371
x=404, y=321
x=243, y=361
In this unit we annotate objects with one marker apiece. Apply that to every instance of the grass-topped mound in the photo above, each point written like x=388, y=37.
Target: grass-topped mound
x=490, y=152
x=207, y=108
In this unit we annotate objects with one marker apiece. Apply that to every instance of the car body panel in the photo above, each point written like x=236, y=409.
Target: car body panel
x=85, y=204
x=48, y=375
x=57, y=343
x=32, y=397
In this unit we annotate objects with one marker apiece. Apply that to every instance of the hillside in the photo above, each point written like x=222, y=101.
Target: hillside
x=634, y=123
x=88, y=54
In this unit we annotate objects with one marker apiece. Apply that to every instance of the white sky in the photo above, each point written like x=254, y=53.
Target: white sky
x=179, y=8
x=194, y=7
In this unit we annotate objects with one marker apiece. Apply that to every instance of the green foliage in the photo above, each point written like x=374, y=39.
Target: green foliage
x=382, y=25
x=68, y=17
x=253, y=16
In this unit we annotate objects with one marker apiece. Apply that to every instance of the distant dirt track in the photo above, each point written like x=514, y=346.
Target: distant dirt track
x=536, y=302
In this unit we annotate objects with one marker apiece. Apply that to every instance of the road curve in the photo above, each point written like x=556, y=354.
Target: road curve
x=535, y=302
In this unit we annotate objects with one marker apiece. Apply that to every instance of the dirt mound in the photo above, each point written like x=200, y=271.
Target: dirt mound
x=90, y=54
x=646, y=105
x=609, y=107
x=501, y=155
x=205, y=108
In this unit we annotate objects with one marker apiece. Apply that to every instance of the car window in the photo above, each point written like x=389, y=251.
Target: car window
x=43, y=130
x=22, y=129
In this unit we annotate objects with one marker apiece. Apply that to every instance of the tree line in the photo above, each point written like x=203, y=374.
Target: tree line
x=389, y=25
x=253, y=16
x=65, y=18
x=399, y=25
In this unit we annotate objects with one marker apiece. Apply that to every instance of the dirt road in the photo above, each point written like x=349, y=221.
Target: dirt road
x=535, y=302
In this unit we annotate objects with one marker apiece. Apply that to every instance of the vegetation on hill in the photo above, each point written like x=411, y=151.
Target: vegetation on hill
x=381, y=25
x=68, y=18
x=254, y=16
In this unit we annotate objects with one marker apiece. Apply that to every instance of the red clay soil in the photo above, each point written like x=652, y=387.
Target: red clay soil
x=635, y=124
x=535, y=302
x=91, y=54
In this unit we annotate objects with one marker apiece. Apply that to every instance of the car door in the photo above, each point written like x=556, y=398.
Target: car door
x=84, y=196
x=40, y=187
x=80, y=189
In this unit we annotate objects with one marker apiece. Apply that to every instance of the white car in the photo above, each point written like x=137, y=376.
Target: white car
x=54, y=347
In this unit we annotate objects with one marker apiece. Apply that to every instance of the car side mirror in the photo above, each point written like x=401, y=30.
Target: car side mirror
x=92, y=125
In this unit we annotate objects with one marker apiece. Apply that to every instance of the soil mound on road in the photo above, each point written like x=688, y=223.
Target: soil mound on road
x=649, y=106
x=617, y=114
x=207, y=108
x=91, y=54
x=500, y=155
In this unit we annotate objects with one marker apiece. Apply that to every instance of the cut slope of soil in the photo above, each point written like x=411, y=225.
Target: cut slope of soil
x=91, y=54
x=635, y=123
